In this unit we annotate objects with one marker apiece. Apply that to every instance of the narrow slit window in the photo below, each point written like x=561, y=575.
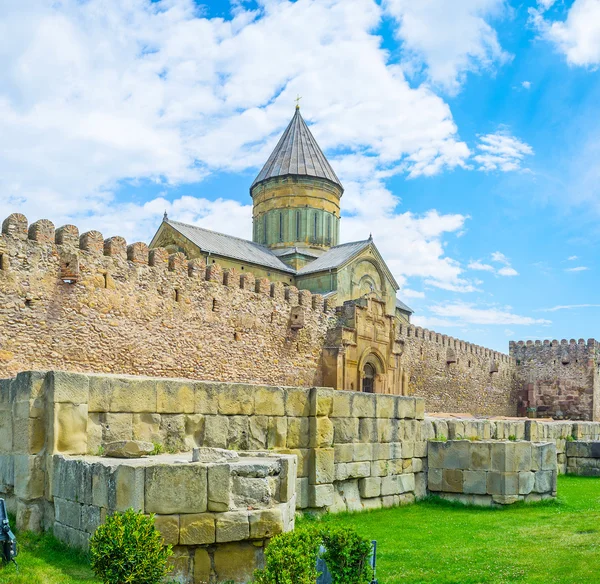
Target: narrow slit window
x=177, y=295
x=297, y=225
x=264, y=229
x=315, y=227
x=329, y=228
x=105, y=280
x=2, y=261
x=280, y=226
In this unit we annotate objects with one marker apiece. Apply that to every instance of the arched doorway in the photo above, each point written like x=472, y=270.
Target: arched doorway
x=368, y=382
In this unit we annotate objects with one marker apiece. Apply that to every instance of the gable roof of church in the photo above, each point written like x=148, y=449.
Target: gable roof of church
x=297, y=153
x=335, y=257
x=230, y=246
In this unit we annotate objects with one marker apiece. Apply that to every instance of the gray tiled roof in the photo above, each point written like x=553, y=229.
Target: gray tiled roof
x=334, y=257
x=297, y=153
x=402, y=306
x=230, y=246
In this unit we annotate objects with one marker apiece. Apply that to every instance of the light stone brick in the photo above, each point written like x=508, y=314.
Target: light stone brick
x=117, y=427
x=357, y=470
x=216, y=432
x=390, y=485
x=363, y=405
x=320, y=496
x=503, y=483
x=322, y=467
x=205, y=398
x=419, y=408
x=202, y=565
x=265, y=523
x=345, y=430
x=28, y=476
x=232, y=526
x=321, y=401
x=406, y=483
x=302, y=493
x=367, y=430
x=381, y=451
x=176, y=489
x=219, y=487
x=235, y=399
x=363, y=452
x=385, y=406
x=526, y=482
x=168, y=526
x=545, y=481
x=370, y=487
x=452, y=480
x=343, y=452
x=380, y=468
x=69, y=387
x=269, y=401
x=297, y=402
x=175, y=397
x=197, y=529
x=475, y=482
x=342, y=404
x=70, y=428
x=277, y=432
x=321, y=432
x=480, y=456
x=129, y=489
x=236, y=562
x=298, y=432
x=406, y=407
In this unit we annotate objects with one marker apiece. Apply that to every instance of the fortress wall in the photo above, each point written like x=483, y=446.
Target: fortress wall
x=85, y=303
x=456, y=376
x=558, y=378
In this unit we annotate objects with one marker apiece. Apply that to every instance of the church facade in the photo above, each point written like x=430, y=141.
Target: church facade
x=296, y=231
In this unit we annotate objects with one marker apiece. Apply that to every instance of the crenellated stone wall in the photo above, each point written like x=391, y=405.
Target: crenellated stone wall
x=85, y=303
x=456, y=376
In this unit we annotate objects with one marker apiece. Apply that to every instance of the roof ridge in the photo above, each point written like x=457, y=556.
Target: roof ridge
x=264, y=247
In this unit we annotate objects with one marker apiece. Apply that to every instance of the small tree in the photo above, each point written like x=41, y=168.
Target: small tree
x=128, y=549
x=291, y=558
x=347, y=556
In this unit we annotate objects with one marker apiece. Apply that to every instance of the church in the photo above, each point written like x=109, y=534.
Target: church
x=296, y=231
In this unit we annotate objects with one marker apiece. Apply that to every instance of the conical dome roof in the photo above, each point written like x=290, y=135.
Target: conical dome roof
x=298, y=154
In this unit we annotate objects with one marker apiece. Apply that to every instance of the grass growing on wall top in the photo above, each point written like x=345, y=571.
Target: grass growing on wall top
x=431, y=542
x=438, y=542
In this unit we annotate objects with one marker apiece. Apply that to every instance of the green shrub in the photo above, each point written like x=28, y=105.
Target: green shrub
x=512, y=438
x=291, y=558
x=128, y=549
x=347, y=556
x=440, y=438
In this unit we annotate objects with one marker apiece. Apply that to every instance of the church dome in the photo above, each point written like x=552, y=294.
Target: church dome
x=296, y=196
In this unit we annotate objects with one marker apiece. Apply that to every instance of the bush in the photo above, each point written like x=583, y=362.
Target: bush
x=347, y=556
x=128, y=549
x=291, y=558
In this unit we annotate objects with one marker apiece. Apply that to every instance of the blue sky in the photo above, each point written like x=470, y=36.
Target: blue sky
x=466, y=135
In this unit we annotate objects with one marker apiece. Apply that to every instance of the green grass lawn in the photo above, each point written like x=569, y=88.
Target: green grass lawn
x=434, y=542
x=438, y=542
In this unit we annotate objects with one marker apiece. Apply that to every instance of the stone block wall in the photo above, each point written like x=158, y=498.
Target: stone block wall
x=217, y=516
x=583, y=458
x=354, y=450
x=558, y=433
x=492, y=472
x=558, y=379
x=456, y=376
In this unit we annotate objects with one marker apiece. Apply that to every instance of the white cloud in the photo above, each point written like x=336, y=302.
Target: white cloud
x=501, y=151
x=477, y=265
x=577, y=37
x=408, y=293
x=577, y=269
x=469, y=313
x=100, y=93
x=498, y=257
x=449, y=38
x=569, y=307
x=526, y=85
x=507, y=271
x=572, y=258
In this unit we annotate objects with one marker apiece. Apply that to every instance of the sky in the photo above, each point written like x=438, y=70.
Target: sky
x=466, y=135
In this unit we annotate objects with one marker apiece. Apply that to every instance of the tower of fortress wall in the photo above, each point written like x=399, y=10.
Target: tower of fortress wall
x=558, y=379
